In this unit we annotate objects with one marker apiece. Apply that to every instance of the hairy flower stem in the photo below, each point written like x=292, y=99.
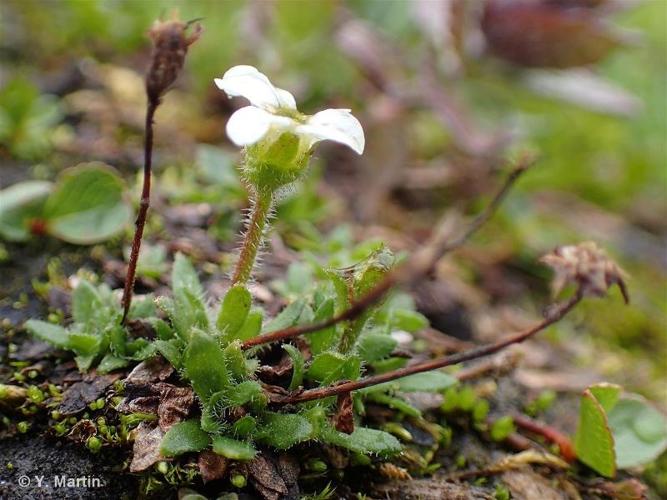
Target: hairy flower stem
x=151, y=107
x=555, y=313
x=261, y=210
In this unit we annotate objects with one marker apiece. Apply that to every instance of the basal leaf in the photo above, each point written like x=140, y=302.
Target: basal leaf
x=593, y=441
x=323, y=340
x=287, y=317
x=184, y=437
x=184, y=276
x=363, y=440
x=374, y=347
x=639, y=430
x=283, y=430
x=234, y=311
x=110, y=363
x=84, y=343
x=297, y=366
x=48, y=332
x=434, y=381
x=19, y=204
x=235, y=361
x=204, y=365
x=231, y=448
x=252, y=326
x=394, y=403
x=87, y=204
x=331, y=366
x=86, y=302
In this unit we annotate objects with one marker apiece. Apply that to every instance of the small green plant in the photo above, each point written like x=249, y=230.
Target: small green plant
x=87, y=204
x=27, y=119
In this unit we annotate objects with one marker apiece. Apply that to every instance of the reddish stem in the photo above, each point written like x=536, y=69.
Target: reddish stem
x=144, y=204
x=551, y=434
x=555, y=314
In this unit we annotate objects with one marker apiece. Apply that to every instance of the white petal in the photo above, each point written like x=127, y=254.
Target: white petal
x=248, y=82
x=335, y=125
x=250, y=124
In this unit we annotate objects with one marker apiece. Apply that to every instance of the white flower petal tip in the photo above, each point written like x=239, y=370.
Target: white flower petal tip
x=246, y=81
x=337, y=125
x=249, y=125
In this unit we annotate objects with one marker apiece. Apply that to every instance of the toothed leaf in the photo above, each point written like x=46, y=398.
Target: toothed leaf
x=184, y=437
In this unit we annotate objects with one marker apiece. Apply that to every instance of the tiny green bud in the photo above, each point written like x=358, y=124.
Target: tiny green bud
x=467, y=398
x=502, y=428
x=316, y=465
x=502, y=493
x=162, y=467
x=460, y=461
x=10, y=466
x=480, y=410
x=60, y=429
x=55, y=415
x=33, y=374
x=238, y=481
x=23, y=426
x=94, y=444
x=35, y=394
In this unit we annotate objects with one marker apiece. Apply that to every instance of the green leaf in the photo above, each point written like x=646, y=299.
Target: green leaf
x=252, y=325
x=18, y=205
x=235, y=361
x=234, y=311
x=184, y=276
x=593, y=441
x=331, y=366
x=84, y=344
x=204, y=365
x=48, y=332
x=110, y=363
x=434, y=381
x=244, y=426
x=184, y=437
x=83, y=363
x=394, y=403
x=248, y=392
x=231, y=448
x=374, y=347
x=287, y=317
x=142, y=307
x=606, y=394
x=323, y=340
x=409, y=321
x=297, y=366
x=86, y=302
x=283, y=431
x=87, y=204
x=639, y=430
x=363, y=440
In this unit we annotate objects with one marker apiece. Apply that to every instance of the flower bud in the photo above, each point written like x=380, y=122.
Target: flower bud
x=170, y=45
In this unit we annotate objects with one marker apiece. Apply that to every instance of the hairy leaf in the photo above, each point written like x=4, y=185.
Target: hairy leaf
x=231, y=448
x=184, y=437
x=374, y=347
x=234, y=311
x=48, y=332
x=204, y=364
x=325, y=339
x=283, y=430
x=252, y=325
x=297, y=366
x=287, y=317
x=363, y=440
x=331, y=366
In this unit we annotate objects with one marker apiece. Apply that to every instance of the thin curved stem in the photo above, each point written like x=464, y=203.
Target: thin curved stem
x=254, y=236
x=555, y=314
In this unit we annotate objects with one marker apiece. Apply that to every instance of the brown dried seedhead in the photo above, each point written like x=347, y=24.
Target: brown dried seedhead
x=170, y=45
x=587, y=266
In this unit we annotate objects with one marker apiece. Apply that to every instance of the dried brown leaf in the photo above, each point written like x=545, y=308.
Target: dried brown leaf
x=146, y=449
x=212, y=466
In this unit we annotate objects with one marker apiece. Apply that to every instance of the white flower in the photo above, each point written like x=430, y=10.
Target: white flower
x=273, y=110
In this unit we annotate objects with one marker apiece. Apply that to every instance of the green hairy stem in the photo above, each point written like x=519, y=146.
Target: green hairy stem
x=261, y=210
